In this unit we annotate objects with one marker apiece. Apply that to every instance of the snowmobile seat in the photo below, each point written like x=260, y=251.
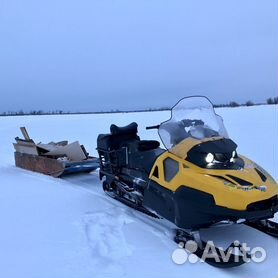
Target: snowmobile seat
x=126, y=135
x=118, y=138
x=146, y=145
x=123, y=136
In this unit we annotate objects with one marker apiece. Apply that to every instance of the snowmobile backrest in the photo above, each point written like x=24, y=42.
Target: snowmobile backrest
x=122, y=136
x=130, y=129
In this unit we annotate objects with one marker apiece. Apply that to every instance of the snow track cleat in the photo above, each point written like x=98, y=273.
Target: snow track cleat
x=233, y=256
x=266, y=226
x=126, y=195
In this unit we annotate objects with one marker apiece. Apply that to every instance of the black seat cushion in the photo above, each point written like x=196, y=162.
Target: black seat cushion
x=130, y=129
x=145, y=145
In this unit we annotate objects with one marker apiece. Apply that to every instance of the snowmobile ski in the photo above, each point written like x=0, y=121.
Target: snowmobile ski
x=233, y=256
x=266, y=226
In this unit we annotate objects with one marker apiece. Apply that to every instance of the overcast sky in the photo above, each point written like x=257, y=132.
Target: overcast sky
x=90, y=55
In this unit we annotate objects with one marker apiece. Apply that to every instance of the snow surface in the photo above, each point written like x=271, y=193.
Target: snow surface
x=70, y=228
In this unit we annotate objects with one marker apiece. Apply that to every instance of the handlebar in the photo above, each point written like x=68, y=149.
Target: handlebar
x=153, y=127
x=184, y=123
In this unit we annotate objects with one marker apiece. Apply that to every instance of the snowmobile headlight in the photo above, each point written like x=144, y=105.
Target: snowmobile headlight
x=209, y=158
x=232, y=159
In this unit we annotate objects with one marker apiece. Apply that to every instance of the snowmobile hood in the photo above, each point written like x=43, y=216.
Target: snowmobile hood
x=235, y=189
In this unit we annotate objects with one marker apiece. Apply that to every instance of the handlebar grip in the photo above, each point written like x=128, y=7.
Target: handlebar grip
x=153, y=127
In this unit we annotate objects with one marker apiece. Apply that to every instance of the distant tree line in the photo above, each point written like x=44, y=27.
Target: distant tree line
x=33, y=112
x=272, y=100
x=61, y=112
x=248, y=103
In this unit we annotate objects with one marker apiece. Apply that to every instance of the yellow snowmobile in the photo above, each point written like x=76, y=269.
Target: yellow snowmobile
x=197, y=181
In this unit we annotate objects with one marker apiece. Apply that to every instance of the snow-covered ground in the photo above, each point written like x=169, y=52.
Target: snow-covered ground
x=69, y=228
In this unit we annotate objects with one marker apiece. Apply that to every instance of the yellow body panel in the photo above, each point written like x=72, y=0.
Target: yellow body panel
x=225, y=194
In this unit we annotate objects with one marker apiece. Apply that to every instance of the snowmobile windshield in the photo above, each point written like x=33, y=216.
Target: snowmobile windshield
x=191, y=118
